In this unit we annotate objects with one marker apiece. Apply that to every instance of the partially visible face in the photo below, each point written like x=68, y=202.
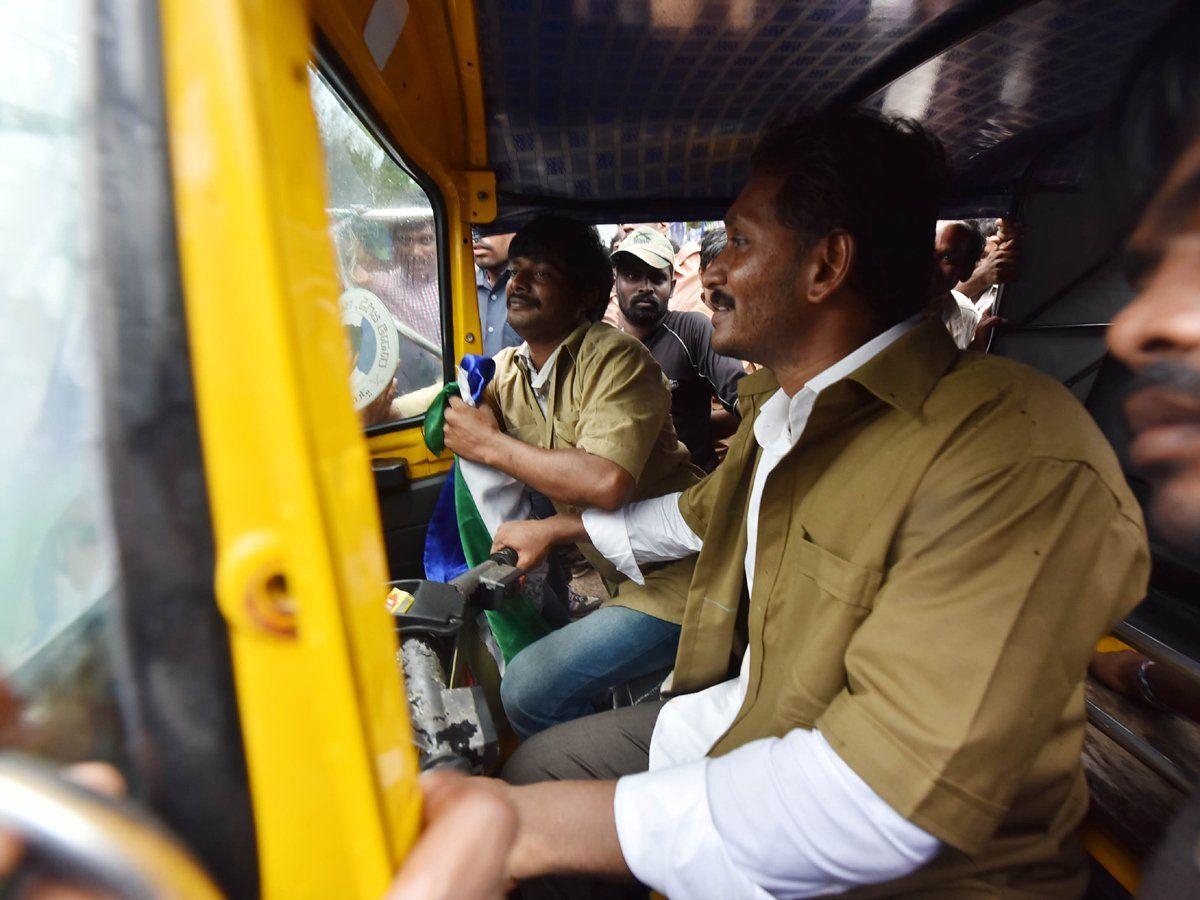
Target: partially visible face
x=1158, y=336
x=623, y=231
x=416, y=249
x=491, y=252
x=754, y=284
x=952, y=256
x=642, y=290
x=543, y=304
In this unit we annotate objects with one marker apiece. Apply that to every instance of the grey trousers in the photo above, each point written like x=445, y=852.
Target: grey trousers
x=600, y=747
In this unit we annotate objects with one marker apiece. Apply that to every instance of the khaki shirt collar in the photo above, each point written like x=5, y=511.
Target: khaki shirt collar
x=904, y=374
x=901, y=375
x=538, y=380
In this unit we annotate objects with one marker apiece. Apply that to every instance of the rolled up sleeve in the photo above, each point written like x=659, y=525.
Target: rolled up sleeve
x=960, y=675
x=624, y=408
x=645, y=532
x=813, y=828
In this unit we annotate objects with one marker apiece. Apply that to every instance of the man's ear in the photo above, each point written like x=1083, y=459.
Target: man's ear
x=674, y=282
x=829, y=262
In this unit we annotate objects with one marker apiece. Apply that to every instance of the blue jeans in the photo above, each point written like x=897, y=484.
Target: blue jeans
x=555, y=679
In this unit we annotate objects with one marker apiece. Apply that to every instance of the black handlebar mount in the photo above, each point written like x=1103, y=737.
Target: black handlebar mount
x=451, y=726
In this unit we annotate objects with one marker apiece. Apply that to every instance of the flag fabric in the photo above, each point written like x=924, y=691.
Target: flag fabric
x=474, y=502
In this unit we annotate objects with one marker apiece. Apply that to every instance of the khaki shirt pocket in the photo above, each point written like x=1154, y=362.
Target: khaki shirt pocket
x=820, y=602
x=531, y=433
x=565, y=430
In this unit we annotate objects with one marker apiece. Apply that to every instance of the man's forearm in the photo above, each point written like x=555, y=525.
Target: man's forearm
x=974, y=286
x=568, y=475
x=567, y=528
x=566, y=828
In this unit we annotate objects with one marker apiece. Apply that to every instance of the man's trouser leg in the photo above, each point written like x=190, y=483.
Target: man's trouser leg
x=555, y=679
x=600, y=747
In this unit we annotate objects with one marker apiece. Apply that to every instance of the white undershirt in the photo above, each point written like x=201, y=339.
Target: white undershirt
x=961, y=317
x=539, y=379
x=779, y=817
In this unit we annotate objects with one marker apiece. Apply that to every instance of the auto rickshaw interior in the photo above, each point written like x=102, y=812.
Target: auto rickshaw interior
x=648, y=112
x=438, y=117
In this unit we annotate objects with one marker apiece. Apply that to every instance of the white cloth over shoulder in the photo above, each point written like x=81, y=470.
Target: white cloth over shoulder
x=498, y=496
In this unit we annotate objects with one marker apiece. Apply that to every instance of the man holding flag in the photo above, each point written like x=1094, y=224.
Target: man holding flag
x=580, y=413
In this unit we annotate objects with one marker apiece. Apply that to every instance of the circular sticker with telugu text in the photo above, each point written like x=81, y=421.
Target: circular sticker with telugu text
x=374, y=344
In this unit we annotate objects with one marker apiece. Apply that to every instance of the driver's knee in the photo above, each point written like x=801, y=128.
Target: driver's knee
x=519, y=693
x=538, y=690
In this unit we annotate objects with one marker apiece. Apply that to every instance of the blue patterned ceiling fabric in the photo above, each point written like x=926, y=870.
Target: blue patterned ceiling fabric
x=1020, y=84
x=606, y=105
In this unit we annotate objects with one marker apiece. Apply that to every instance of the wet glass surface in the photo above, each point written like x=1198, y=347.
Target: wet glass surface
x=58, y=572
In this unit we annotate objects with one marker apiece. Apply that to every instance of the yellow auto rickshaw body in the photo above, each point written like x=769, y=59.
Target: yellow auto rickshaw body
x=298, y=559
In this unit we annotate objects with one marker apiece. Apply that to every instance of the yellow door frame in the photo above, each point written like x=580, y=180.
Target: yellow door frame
x=427, y=100
x=299, y=552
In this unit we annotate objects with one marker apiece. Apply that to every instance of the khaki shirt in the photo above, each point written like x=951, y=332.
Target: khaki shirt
x=607, y=395
x=937, y=558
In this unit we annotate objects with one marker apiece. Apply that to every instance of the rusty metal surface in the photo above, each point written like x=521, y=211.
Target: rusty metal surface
x=1128, y=797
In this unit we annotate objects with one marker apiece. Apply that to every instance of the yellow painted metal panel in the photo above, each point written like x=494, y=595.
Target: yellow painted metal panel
x=1112, y=855
x=299, y=555
x=428, y=101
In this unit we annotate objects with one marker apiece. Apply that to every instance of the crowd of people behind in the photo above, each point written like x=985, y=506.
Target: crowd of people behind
x=658, y=296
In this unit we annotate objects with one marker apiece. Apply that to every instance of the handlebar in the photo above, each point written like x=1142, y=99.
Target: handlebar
x=488, y=583
x=505, y=555
x=451, y=726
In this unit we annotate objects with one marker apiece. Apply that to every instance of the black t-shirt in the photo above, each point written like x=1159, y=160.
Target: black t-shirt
x=682, y=344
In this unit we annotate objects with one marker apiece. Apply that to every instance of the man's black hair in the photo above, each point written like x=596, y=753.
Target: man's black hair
x=879, y=179
x=711, y=246
x=975, y=238
x=575, y=248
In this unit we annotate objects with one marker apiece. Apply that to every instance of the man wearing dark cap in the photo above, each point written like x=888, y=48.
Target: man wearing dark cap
x=581, y=414
x=681, y=342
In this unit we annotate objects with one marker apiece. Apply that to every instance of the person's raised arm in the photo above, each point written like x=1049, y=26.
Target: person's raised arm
x=622, y=408
x=570, y=475
x=998, y=265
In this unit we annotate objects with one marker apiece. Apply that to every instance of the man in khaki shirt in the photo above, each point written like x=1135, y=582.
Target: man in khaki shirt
x=580, y=413
x=903, y=566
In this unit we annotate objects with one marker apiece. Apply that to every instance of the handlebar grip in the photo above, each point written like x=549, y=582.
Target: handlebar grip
x=489, y=583
x=506, y=556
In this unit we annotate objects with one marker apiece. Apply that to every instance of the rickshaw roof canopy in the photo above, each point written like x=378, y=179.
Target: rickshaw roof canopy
x=611, y=107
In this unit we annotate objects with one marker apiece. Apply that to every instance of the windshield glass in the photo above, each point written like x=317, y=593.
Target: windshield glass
x=57, y=556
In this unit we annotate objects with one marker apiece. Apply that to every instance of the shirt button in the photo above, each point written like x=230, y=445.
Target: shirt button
x=490, y=329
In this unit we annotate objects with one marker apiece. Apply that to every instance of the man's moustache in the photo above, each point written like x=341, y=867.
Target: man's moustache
x=1168, y=376
x=719, y=300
